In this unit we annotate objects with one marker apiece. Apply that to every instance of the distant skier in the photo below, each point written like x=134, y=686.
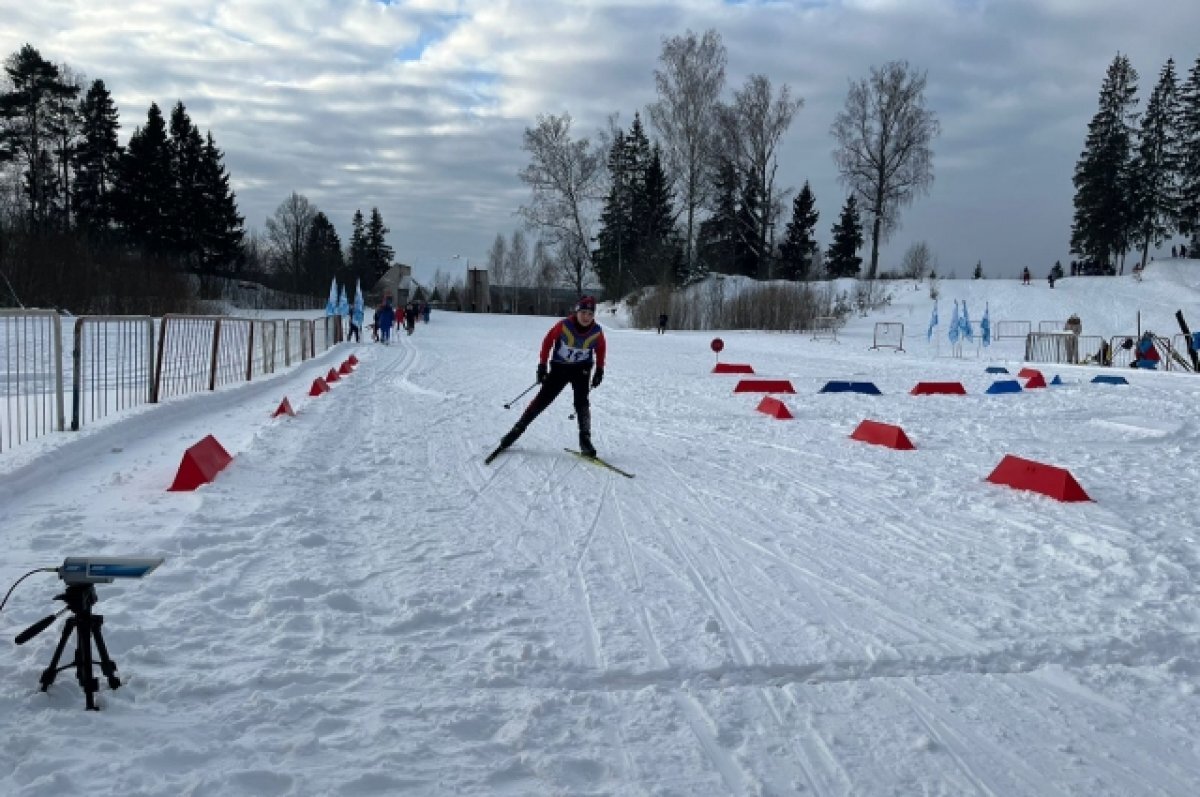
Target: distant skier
x=571, y=346
x=1025, y=276
x=384, y=319
x=1147, y=353
x=662, y=323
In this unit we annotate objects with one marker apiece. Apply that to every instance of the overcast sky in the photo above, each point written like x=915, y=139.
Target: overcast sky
x=418, y=107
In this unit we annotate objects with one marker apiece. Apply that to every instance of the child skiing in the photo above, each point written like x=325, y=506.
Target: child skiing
x=572, y=346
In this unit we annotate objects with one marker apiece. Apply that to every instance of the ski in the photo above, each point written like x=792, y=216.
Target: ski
x=600, y=462
x=488, y=460
x=1187, y=336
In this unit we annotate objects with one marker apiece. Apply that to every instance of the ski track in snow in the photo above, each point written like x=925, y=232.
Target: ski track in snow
x=358, y=605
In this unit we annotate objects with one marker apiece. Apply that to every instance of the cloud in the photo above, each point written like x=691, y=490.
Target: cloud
x=418, y=107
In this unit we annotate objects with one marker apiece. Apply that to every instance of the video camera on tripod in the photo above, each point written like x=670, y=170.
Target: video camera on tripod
x=81, y=574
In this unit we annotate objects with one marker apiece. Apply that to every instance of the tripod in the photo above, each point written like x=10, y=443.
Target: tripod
x=79, y=599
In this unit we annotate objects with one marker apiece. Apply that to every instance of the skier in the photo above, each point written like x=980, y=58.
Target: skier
x=384, y=318
x=571, y=346
x=1025, y=276
x=662, y=323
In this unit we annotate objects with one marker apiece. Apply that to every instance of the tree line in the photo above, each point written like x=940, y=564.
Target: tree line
x=1137, y=181
x=94, y=226
x=701, y=195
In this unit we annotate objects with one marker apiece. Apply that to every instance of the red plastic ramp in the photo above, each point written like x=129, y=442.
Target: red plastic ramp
x=331, y=377
x=1037, y=380
x=732, y=368
x=352, y=360
x=201, y=464
x=1026, y=373
x=1025, y=474
x=938, y=388
x=318, y=387
x=882, y=434
x=346, y=368
x=775, y=408
x=764, y=386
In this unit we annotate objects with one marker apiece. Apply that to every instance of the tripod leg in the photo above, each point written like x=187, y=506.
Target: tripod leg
x=83, y=660
x=51, y=672
x=107, y=665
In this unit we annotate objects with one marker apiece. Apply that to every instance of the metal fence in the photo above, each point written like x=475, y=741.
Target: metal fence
x=32, y=378
x=119, y=362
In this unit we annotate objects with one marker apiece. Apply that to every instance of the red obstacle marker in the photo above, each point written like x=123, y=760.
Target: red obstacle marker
x=331, y=377
x=764, y=386
x=346, y=368
x=1025, y=474
x=352, y=360
x=1037, y=380
x=882, y=434
x=201, y=464
x=285, y=408
x=1026, y=373
x=775, y=408
x=732, y=368
x=318, y=387
x=938, y=388
x=716, y=345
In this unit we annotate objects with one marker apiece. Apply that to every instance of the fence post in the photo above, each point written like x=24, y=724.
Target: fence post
x=250, y=353
x=216, y=348
x=156, y=391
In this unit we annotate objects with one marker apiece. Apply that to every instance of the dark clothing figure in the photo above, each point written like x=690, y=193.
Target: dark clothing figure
x=1050, y=279
x=1182, y=250
x=384, y=318
x=1025, y=276
x=662, y=323
x=355, y=333
x=410, y=317
x=569, y=351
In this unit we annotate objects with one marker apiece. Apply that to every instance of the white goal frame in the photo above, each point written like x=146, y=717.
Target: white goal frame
x=888, y=335
x=1012, y=329
x=825, y=328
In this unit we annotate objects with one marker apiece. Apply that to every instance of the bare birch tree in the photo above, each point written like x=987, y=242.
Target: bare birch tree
x=287, y=234
x=566, y=177
x=751, y=128
x=884, y=156
x=497, y=266
x=518, y=265
x=689, y=83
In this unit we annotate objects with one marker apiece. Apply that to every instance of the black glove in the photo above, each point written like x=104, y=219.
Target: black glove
x=598, y=377
x=541, y=377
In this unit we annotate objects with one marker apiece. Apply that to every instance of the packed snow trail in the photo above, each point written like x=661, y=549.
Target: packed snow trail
x=358, y=605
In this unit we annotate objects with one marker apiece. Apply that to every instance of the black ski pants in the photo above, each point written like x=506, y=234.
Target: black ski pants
x=559, y=377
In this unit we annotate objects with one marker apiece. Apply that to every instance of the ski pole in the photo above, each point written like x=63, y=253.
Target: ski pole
x=523, y=392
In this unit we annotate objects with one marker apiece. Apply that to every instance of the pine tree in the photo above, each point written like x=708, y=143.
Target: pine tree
x=220, y=228
x=660, y=252
x=1155, y=169
x=1102, y=213
x=379, y=254
x=1187, y=212
x=145, y=186
x=799, y=241
x=614, y=240
x=96, y=158
x=841, y=259
x=29, y=113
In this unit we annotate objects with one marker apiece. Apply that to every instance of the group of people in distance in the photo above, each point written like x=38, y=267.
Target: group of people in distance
x=386, y=316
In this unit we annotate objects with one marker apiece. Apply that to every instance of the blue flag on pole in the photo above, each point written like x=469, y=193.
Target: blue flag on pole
x=967, y=333
x=985, y=327
x=933, y=322
x=955, y=324
x=343, y=305
x=357, y=315
x=331, y=304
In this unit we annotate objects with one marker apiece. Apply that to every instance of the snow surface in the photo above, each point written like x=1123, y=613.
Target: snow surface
x=358, y=605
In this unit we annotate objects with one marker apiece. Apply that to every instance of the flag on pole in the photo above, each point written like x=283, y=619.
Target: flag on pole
x=357, y=315
x=933, y=322
x=331, y=304
x=985, y=327
x=343, y=305
x=955, y=324
x=967, y=333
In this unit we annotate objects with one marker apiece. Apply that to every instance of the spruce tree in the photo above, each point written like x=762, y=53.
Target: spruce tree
x=1155, y=169
x=841, y=259
x=717, y=241
x=186, y=203
x=220, y=226
x=978, y=273
x=1187, y=211
x=96, y=158
x=356, y=253
x=322, y=259
x=378, y=253
x=799, y=241
x=661, y=257
x=614, y=240
x=1102, y=210
x=145, y=186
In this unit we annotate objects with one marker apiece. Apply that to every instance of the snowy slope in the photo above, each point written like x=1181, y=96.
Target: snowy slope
x=359, y=606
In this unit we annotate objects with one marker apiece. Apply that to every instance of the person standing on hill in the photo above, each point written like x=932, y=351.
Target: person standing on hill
x=569, y=351
x=662, y=323
x=1025, y=276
